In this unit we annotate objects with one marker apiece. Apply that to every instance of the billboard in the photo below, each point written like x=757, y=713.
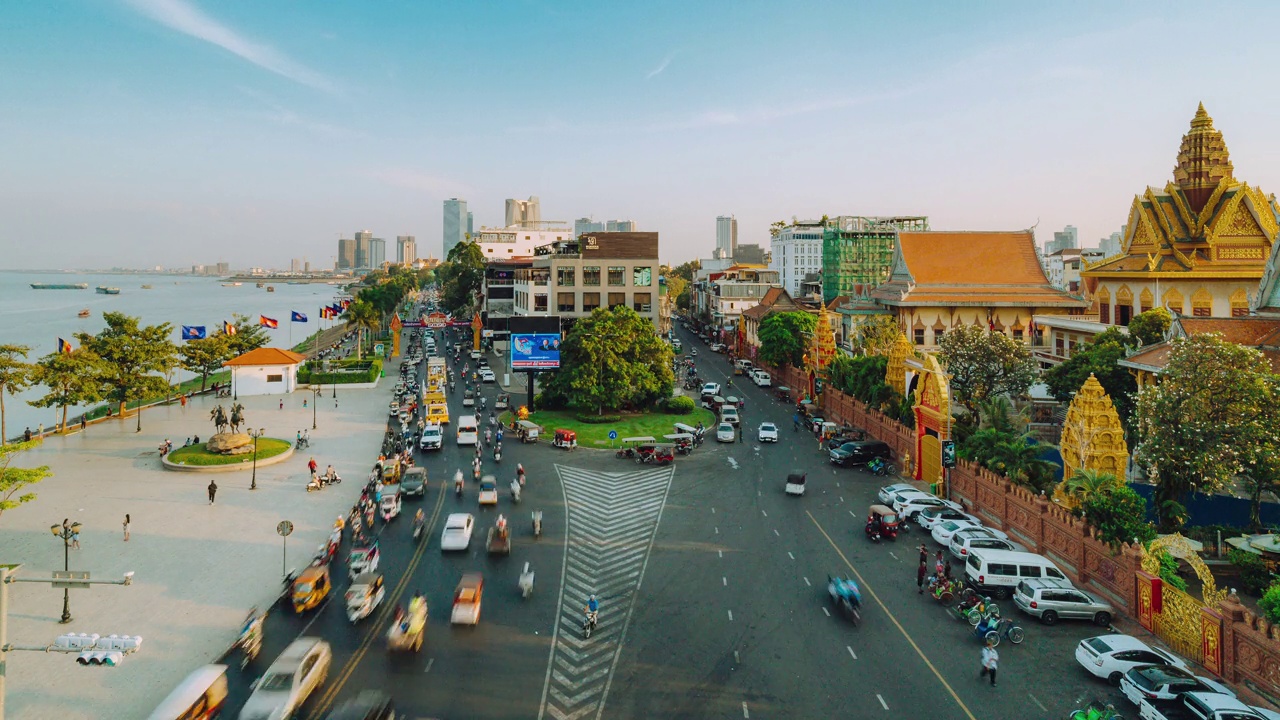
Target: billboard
x=535, y=351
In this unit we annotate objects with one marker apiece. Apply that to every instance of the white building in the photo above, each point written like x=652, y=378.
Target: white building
x=512, y=242
x=726, y=236
x=524, y=212
x=265, y=371
x=797, y=252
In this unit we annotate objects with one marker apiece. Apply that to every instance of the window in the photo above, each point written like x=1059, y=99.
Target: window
x=938, y=334
x=275, y=378
x=616, y=276
x=1201, y=303
x=1031, y=571
x=919, y=336
x=617, y=299
x=1057, y=344
x=565, y=302
x=1239, y=303
x=1017, y=334
x=591, y=300
x=1124, y=313
x=565, y=276
x=1104, y=313
x=1002, y=569
x=642, y=276
x=540, y=302
x=640, y=302
x=591, y=276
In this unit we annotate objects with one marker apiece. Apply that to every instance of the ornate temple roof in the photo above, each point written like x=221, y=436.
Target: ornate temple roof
x=1203, y=161
x=988, y=269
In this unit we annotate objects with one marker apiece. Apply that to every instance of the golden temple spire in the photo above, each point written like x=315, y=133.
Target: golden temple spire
x=1203, y=161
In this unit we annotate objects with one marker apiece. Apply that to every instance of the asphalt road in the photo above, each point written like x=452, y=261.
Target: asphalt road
x=713, y=598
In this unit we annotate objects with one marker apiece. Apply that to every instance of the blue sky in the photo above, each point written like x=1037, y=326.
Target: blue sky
x=172, y=132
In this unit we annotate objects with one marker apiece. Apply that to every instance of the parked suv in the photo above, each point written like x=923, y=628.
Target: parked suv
x=1050, y=599
x=859, y=452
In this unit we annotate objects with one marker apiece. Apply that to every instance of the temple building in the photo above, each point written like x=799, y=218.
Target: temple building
x=995, y=282
x=1198, y=247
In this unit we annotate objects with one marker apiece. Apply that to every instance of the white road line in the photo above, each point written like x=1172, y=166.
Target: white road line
x=745, y=714
x=841, y=498
x=724, y=580
x=713, y=511
x=851, y=513
x=1037, y=702
x=730, y=616
x=827, y=612
x=430, y=662
x=736, y=658
x=764, y=513
x=720, y=552
x=806, y=582
x=775, y=532
x=895, y=557
x=717, y=531
x=793, y=557
x=851, y=652
x=883, y=704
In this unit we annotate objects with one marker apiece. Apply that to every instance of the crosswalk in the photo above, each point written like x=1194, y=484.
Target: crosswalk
x=612, y=521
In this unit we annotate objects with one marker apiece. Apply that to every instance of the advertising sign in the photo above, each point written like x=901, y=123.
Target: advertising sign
x=535, y=351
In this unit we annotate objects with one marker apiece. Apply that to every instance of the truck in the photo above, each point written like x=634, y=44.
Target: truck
x=1202, y=706
x=437, y=408
x=435, y=368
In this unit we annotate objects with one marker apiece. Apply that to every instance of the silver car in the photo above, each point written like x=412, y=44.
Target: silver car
x=299, y=671
x=1050, y=600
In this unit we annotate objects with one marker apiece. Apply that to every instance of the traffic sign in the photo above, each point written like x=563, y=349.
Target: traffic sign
x=70, y=575
x=613, y=434
x=284, y=529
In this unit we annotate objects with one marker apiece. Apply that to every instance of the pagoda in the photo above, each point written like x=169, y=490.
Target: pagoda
x=1198, y=247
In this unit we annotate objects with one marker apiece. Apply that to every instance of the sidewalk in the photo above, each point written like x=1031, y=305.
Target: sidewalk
x=199, y=567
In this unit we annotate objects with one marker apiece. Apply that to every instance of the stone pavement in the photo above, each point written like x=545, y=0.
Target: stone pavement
x=199, y=567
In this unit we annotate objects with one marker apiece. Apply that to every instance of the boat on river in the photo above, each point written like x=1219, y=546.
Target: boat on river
x=59, y=286
x=271, y=288
x=104, y=290
x=83, y=313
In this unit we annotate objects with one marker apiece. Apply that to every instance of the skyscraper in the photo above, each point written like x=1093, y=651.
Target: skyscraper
x=377, y=252
x=1065, y=240
x=584, y=225
x=471, y=224
x=363, y=238
x=346, y=254
x=524, y=212
x=620, y=226
x=406, y=249
x=295, y=265
x=455, y=223
x=726, y=236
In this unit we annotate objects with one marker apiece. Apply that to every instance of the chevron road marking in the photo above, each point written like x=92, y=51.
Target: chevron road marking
x=612, y=520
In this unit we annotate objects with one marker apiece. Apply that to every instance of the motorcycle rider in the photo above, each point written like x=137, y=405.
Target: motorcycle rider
x=520, y=473
x=457, y=482
x=592, y=610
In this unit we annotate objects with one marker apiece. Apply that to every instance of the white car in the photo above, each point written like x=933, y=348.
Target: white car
x=457, y=531
x=929, y=518
x=486, y=375
x=724, y=432
x=488, y=491
x=1165, y=682
x=768, y=432
x=885, y=496
x=909, y=506
x=761, y=379
x=729, y=414
x=432, y=438
x=977, y=539
x=475, y=354
x=1111, y=656
x=300, y=669
x=711, y=389
x=943, y=532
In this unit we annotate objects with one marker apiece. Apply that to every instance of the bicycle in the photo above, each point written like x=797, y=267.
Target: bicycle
x=1005, y=628
x=982, y=611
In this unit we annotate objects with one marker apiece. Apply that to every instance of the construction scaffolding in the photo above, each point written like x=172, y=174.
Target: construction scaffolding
x=857, y=252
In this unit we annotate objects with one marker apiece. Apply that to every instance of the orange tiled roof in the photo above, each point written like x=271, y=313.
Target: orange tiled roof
x=1250, y=331
x=266, y=356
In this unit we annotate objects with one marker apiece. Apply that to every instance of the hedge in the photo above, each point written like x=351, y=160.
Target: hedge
x=679, y=405
x=358, y=371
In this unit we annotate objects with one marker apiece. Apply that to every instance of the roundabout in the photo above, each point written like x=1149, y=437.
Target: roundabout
x=198, y=458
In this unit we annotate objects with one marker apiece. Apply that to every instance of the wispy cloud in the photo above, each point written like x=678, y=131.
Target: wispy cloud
x=662, y=66
x=410, y=179
x=186, y=18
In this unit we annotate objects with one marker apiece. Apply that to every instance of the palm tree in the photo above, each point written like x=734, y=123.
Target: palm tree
x=998, y=413
x=1020, y=461
x=1087, y=483
x=361, y=316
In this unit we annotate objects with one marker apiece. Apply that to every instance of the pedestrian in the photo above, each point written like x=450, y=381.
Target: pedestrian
x=311, y=465
x=26, y=435
x=741, y=435
x=920, y=575
x=75, y=539
x=990, y=661
x=40, y=431
x=938, y=565
x=126, y=527
x=84, y=423
x=924, y=554
x=282, y=404
x=213, y=490
x=182, y=400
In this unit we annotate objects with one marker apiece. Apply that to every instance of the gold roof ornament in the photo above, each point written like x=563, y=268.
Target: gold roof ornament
x=1203, y=160
x=1092, y=438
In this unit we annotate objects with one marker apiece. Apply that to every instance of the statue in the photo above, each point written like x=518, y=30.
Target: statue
x=237, y=417
x=219, y=418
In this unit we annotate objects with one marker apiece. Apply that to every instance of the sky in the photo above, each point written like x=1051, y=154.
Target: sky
x=173, y=132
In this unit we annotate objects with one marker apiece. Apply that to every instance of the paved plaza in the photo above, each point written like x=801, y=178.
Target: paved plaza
x=199, y=567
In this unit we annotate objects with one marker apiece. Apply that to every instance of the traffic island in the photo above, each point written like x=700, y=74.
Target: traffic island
x=199, y=458
x=634, y=424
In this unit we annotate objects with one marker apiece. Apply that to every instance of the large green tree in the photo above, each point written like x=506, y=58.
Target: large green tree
x=72, y=379
x=784, y=337
x=461, y=277
x=985, y=364
x=1119, y=514
x=1101, y=359
x=135, y=358
x=361, y=316
x=206, y=355
x=1149, y=327
x=611, y=359
x=15, y=376
x=14, y=480
x=862, y=377
x=1200, y=426
x=875, y=335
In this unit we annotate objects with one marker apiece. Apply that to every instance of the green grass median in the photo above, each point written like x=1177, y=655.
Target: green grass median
x=653, y=424
x=200, y=455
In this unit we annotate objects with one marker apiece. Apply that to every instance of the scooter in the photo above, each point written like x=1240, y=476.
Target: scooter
x=316, y=483
x=330, y=479
x=419, y=522
x=537, y=524
x=457, y=487
x=497, y=452
x=526, y=582
x=515, y=492
x=250, y=640
x=590, y=624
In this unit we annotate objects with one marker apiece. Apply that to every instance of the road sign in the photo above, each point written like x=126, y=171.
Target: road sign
x=284, y=529
x=613, y=434
x=379, y=349
x=71, y=575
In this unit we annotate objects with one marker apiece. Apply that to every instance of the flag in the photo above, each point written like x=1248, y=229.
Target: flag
x=193, y=332
x=267, y=322
x=345, y=303
x=324, y=313
x=296, y=316
x=64, y=346
x=228, y=328
x=335, y=309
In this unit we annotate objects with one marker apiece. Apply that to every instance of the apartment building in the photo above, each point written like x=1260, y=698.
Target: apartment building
x=571, y=278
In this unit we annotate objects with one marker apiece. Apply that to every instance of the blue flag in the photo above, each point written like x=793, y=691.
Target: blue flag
x=193, y=332
x=336, y=309
x=297, y=317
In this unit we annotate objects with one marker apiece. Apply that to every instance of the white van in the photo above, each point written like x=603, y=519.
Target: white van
x=998, y=572
x=468, y=430
x=761, y=378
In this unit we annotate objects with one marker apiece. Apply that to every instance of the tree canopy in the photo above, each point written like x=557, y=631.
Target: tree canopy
x=1206, y=420
x=13, y=480
x=1101, y=359
x=15, y=376
x=461, y=276
x=876, y=334
x=610, y=359
x=72, y=379
x=784, y=337
x=985, y=364
x=206, y=355
x=1149, y=327
x=362, y=316
x=131, y=355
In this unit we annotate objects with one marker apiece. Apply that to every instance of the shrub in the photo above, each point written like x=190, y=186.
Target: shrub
x=1169, y=571
x=1254, y=576
x=1270, y=603
x=679, y=405
x=598, y=419
x=347, y=372
x=1119, y=515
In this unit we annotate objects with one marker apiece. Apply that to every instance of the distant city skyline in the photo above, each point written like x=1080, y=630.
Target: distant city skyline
x=144, y=132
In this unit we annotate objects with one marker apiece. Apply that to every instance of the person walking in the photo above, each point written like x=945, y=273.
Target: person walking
x=920, y=576
x=924, y=554
x=126, y=527
x=213, y=490
x=182, y=399
x=84, y=423
x=938, y=566
x=304, y=403
x=75, y=539
x=312, y=467
x=282, y=404
x=990, y=660
x=26, y=435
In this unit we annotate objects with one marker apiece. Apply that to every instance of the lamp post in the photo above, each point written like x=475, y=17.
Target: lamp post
x=255, y=434
x=315, y=400
x=66, y=531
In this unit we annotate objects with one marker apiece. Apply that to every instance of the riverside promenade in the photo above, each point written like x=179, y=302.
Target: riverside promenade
x=199, y=567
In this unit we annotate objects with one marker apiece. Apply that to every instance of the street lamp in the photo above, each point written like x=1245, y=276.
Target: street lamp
x=315, y=400
x=66, y=531
x=253, y=483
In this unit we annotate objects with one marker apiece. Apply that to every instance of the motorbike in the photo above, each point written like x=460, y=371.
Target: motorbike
x=589, y=624
x=457, y=487
x=315, y=483
x=515, y=492
x=497, y=452
x=166, y=447
x=526, y=582
x=537, y=523
x=488, y=436
x=250, y=640
x=419, y=522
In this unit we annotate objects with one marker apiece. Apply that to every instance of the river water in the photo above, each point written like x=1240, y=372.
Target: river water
x=39, y=317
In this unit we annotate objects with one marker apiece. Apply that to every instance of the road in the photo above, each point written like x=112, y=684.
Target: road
x=712, y=584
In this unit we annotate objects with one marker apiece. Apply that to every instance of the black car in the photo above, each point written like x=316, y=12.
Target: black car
x=859, y=452
x=846, y=437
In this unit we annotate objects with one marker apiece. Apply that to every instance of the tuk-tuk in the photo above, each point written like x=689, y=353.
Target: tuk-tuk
x=830, y=430
x=310, y=588
x=795, y=483
x=502, y=402
x=882, y=522
x=566, y=439
x=683, y=428
x=391, y=502
x=364, y=596
x=683, y=442
x=527, y=431
x=655, y=454
x=390, y=471
x=712, y=403
x=631, y=444
x=363, y=559
x=466, y=599
x=407, y=630
x=468, y=398
x=782, y=393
